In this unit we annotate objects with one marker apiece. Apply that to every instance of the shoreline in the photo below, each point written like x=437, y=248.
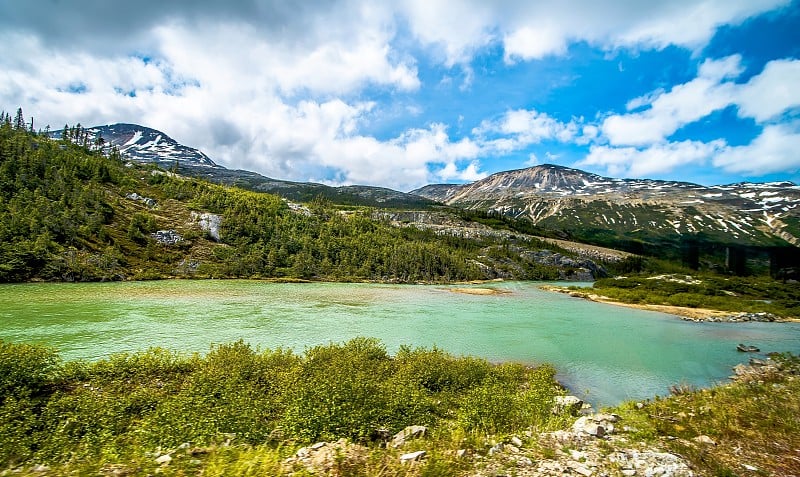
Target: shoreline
x=683, y=312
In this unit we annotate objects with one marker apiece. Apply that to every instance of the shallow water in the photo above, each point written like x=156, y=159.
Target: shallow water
x=603, y=352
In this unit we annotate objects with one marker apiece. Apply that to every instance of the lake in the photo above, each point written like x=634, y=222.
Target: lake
x=604, y=353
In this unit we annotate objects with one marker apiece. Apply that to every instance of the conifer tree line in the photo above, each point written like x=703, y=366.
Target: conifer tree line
x=64, y=215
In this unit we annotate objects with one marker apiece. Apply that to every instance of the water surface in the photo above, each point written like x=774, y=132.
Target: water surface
x=603, y=352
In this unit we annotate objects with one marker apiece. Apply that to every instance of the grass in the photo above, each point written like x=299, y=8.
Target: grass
x=752, y=423
x=734, y=294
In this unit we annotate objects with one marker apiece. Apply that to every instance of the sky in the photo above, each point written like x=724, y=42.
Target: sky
x=404, y=93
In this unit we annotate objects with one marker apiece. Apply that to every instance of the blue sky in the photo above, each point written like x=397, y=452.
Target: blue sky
x=400, y=94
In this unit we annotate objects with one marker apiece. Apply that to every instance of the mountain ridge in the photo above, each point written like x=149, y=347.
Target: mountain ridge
x=147, y=145
x=552, y=197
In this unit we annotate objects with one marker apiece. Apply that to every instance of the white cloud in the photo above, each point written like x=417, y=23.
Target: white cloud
x=772, y=92
x=532, y=160
x=774, y=150
x=451, y=172
x=656, y=159
x=519, y=128
x=283, y=88
x=533, y=30
x=683, y=104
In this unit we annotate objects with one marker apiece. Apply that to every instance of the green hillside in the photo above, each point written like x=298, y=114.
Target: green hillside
x=68, y=212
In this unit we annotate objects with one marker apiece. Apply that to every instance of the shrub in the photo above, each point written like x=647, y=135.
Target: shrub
x=26, y=368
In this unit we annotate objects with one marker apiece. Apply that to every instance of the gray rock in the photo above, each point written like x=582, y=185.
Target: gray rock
x=209, y=223
x=166, y=237
x=413, y=456
x=705, y=440
x=516, y=441
x=164, y=459
x=407, y=434
x=567, y=405
x=145, y=200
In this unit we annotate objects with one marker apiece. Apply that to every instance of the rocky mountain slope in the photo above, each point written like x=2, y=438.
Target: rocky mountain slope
x=562, y=198
x=145, y=145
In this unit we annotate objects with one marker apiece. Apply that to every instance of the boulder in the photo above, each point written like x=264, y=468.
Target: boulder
x=166, y=237
x=567, y=405
x=705, y=440
x=597, y=425
x=209, y=223
x=407, y=434
x=413, y=456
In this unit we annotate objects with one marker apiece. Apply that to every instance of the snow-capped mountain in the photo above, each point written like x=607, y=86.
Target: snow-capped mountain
x=142, y=144
x=559, y=197
x=146, y=145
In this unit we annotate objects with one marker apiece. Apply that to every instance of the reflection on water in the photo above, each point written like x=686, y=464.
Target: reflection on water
x=605, y=352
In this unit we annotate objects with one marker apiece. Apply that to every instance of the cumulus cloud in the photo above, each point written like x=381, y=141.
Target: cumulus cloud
x=656, y=159
x=774, y=91
x=685, y=103
x=519, y=128
x=285, y=88
x=774, y=150
x=638, y=141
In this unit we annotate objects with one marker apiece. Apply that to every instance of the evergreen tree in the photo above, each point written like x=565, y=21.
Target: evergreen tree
x=19, y=121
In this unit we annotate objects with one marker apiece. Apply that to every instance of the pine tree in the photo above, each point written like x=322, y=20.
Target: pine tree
x=19, y=121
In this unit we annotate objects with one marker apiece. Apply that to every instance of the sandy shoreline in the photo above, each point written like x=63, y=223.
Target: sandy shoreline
x=479, y=291
x=695, y=314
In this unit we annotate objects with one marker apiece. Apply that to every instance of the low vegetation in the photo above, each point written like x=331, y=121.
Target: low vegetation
x=750, y=426
x=724, y=293
x=240, y=411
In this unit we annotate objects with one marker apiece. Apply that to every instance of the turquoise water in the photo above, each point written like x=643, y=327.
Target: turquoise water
x=603, y=352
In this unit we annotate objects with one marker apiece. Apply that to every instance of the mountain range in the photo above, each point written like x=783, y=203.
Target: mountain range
x=631, y=214
x=145, y=145
x=557, y=197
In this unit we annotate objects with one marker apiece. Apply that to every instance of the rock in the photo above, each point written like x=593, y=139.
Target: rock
x=209, y=223
x=164, y=459
x=705, y=440
x=145, y=200
x=413, y=456
x=516, y=441
x=321, y=457
x=410, y=432
x=577, y=455
x=461, y=453
x=166, y=237
x=496, y=449
x=628, y=472
x=567, y=405
x=595, y=430
x=750, y=468
x=597, y=425
x=582, y=470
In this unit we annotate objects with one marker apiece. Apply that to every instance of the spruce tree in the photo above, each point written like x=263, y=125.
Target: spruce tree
x=19, y=121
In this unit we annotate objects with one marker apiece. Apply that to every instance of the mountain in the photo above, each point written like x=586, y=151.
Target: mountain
x=633, y=213
x=146, y=145
x=142, y=144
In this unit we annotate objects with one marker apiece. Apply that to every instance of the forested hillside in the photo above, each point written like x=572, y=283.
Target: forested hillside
x=68, y=211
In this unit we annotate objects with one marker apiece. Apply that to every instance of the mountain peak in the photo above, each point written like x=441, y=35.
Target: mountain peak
x=142, y=144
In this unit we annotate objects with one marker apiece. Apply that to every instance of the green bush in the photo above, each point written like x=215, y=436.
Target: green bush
x=122, y=407
x=26, y=368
